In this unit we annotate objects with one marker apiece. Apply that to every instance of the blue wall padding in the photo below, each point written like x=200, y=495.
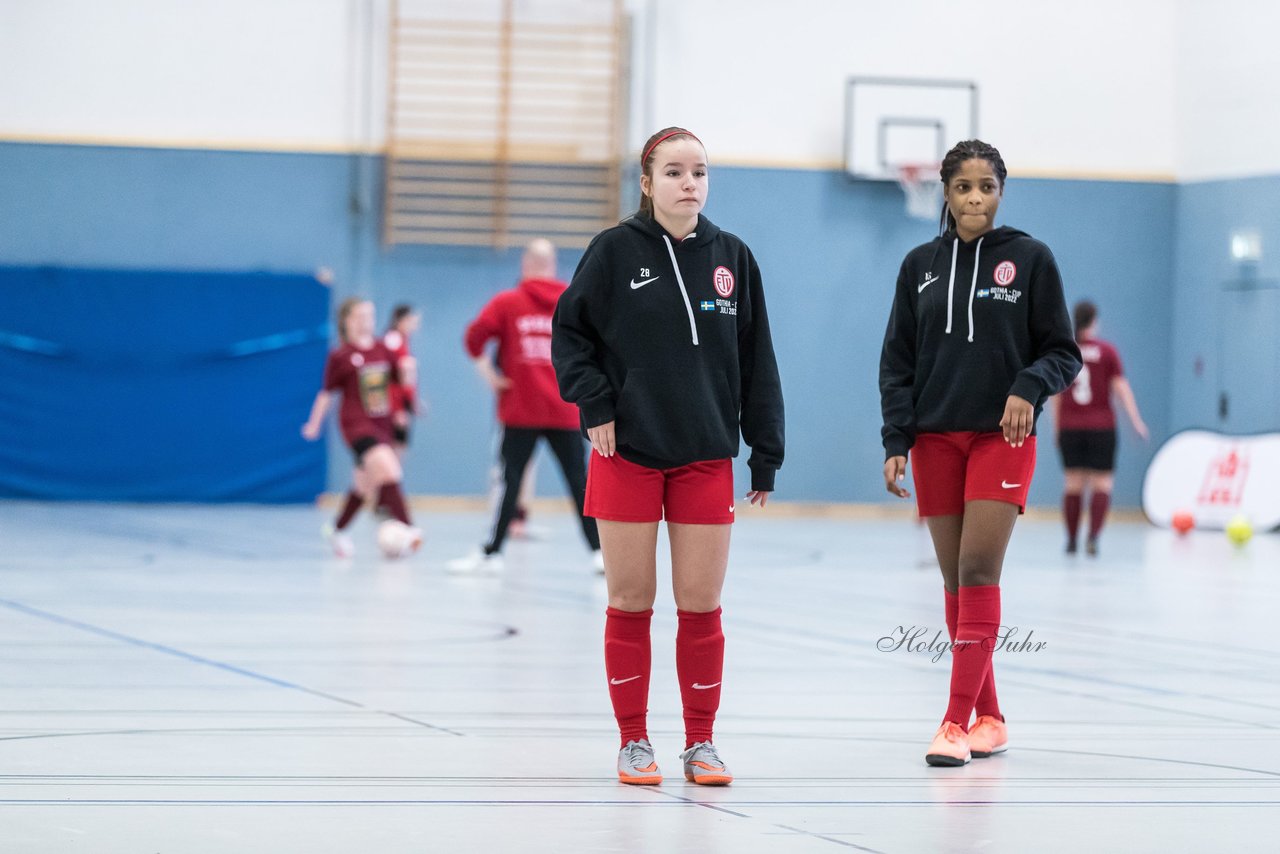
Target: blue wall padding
x=122, y=385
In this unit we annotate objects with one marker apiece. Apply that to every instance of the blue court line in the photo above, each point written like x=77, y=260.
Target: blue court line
x=719, y=808
x=829, y=839
x=208, y=662
x=696, y=803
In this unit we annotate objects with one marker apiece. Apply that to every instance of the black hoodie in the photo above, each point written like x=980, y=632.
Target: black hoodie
x=670, y=339
x=972, y=324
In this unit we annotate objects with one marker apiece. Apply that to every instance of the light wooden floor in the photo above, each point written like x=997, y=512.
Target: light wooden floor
x=195, y=679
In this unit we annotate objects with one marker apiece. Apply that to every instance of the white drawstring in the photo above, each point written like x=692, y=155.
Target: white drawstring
x=951, y=285
x=680, y=281
x=977, y=256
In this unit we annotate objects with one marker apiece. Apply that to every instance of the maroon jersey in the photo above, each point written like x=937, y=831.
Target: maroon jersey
x=365, y=378
x=1086, y=405
x=398, y=345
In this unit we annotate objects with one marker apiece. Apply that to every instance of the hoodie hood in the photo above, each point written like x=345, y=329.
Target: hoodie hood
x=702, y=235
x=952, y=242
x=994, y=237
x=542, y=292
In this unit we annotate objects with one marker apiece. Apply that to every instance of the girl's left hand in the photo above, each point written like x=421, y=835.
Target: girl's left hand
x=761, y=498
x=1019, y=418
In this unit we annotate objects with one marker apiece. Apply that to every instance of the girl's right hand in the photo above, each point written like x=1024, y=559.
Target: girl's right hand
x=310, y=431
x=602, y=439
x=895, y=471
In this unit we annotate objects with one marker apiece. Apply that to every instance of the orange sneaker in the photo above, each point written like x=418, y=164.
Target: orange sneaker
x=950, y=746
x=988, y=735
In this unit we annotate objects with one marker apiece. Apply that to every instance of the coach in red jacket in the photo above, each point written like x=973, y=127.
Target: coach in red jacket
x=529, y=403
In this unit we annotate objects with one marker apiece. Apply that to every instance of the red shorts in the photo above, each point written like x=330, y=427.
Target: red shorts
x=697, y=494
x=952, y=468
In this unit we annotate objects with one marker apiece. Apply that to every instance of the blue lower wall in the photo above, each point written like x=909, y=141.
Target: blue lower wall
x=829, y=250
x=1217, y=302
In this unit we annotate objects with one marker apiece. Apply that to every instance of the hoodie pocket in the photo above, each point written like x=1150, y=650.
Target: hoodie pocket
x=677, y=417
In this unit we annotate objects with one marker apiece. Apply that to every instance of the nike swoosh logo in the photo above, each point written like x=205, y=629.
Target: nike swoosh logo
x=700, y=687
x=730, y=508
x=1007, y=485
x=635, y=284
x=927, y=283
x=623, y=681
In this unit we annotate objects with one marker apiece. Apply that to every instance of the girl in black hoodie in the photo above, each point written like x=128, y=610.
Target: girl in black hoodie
x=662, y=341
x=978, y=338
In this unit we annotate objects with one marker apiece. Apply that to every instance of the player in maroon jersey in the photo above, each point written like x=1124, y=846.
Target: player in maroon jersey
x=362, y=370
x=1086, y=428
x=404, y=394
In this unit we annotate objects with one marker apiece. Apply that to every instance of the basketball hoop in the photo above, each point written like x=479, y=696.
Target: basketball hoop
x=923, y=188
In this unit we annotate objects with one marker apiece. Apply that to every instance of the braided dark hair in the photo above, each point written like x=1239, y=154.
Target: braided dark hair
x=969, y=149
x=646, y=159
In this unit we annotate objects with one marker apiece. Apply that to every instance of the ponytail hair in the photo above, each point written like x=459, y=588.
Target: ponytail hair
x=970, y=149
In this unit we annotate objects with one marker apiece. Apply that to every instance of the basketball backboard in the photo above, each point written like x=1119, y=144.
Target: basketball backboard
x=892, y=122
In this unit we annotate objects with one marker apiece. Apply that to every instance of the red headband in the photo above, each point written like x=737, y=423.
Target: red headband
x=663, y=139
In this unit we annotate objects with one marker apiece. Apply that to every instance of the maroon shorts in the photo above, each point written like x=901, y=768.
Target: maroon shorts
x=952, y=468
x=697, y=494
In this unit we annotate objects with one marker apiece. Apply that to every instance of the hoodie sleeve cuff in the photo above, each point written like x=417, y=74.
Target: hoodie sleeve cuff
x=598, y=411
x=762, y=478
x=896, y=446
x=1028, y=388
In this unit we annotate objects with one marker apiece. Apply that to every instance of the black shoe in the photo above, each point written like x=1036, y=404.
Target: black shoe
x=1071, y=547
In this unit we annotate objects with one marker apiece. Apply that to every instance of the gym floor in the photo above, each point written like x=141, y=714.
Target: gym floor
x=209, y=679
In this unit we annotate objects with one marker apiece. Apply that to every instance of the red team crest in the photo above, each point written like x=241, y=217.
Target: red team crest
x=1005, y=273
x=722, y=278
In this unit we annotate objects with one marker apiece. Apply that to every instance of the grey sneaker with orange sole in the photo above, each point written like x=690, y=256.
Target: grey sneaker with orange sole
x=637, y=764
x=702, y=765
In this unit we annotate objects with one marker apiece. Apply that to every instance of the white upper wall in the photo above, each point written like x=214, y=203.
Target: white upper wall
x=1228, y=86
x=1079, y=88
x=272, y=73
x=1097, y=87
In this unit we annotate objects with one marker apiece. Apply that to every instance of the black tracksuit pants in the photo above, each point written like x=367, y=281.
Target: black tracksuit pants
x=518, y=445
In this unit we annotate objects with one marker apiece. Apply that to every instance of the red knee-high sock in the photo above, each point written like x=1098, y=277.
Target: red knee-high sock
x=1098, y=504
x=349, y=510
x=1071, y=504
x=977, y=621
x=987, y=702
x=627, y=661
x=392, y=498
x=700, y=666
